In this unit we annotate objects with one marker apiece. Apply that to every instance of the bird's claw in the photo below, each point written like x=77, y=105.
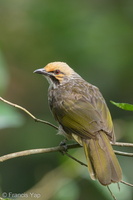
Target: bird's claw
x=63, y=142
x=64, y=145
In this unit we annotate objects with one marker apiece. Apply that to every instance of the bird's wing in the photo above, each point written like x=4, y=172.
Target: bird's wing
x=84, y=116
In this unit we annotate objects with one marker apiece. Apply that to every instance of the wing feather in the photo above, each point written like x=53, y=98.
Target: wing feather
x=82, y=110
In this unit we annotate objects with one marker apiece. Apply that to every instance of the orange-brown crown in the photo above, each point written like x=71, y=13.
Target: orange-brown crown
x=57, y=72
x=62, y=66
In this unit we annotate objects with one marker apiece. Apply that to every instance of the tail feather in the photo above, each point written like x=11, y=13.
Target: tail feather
x=84, y=144
x=102, y=162
x=90, y=166
x=116, y=172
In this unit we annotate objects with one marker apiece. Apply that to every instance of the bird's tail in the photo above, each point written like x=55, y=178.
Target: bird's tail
x=102, y=162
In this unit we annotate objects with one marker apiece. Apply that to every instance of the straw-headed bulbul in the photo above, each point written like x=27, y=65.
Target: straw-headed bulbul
x=83, y=115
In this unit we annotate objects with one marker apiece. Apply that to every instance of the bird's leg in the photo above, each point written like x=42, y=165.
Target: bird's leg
x=63, y=142
x=64, y=145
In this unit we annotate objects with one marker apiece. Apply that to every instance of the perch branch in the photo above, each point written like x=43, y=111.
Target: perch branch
x=27, y=112
x=48, y=150
x=123, y=153
x=37, y=151
x=122, y=144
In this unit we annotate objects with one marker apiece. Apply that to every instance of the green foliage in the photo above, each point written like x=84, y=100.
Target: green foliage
x=69, y=191
x=9, y=117
x=4, y=75
x=6, y=199
x=124, y=106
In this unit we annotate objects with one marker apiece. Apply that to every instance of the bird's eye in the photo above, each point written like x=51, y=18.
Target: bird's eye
x=57, y=71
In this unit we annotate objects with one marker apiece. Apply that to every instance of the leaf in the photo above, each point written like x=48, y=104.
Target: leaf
x=124, y=106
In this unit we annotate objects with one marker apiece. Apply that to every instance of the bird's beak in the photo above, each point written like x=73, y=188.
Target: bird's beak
x=41, y=71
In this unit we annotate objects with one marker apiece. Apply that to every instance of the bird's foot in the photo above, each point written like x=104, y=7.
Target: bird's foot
x=64, y=145
x=63, y=142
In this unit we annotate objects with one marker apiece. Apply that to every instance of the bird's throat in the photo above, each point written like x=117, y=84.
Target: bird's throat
x=52, y=81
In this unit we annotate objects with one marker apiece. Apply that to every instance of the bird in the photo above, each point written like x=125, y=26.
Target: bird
x=83, y=116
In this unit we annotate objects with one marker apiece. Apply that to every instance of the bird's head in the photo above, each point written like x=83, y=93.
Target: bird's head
x=56, y=72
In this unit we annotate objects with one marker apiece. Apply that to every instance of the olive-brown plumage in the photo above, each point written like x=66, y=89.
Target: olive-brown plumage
x=83, y=115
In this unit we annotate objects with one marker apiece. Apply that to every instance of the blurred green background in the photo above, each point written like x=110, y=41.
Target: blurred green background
x=96, y=39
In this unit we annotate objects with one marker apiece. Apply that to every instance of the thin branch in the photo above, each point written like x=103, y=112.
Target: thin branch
x=129, y=184
x=27, y=112
x=37, y=151
x=122, y=144
x=48, y=150
x=123, y=153
x=111, y=193
x=76, y=159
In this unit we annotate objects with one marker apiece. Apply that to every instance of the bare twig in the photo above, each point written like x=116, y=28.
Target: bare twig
x=75, y=159
x=37, y=151
x=122, y=144
x=111, y=193
x=129, y=184
x=123, y=153
x=48, y=150
x=27, y=112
